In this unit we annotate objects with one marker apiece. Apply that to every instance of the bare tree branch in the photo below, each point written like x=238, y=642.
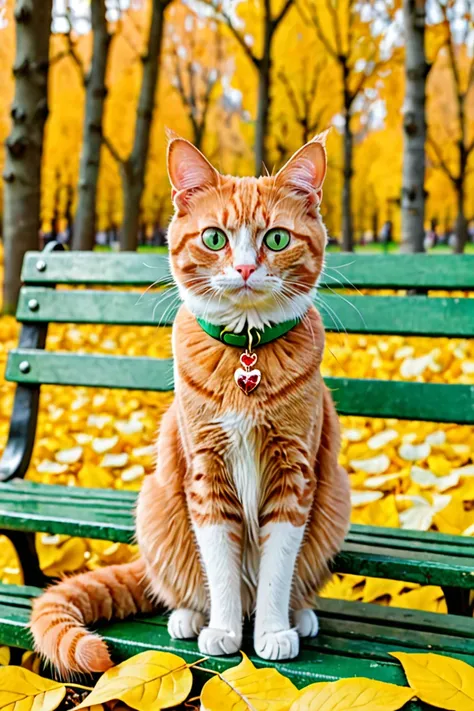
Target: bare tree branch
x=112, y=150
x=281, y=15
x=442, y=165
x=57, y=57
x=290, y=94
x=335, y=23
x=235, y=33
x=314, y=19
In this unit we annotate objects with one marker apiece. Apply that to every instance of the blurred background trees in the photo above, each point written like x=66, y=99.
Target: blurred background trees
x=248, y=82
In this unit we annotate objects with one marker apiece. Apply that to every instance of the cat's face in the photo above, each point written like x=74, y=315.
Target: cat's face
x=246, y=249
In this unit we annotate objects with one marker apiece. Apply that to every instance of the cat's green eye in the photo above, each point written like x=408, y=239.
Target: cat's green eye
x=214, y=238
x=277, y=239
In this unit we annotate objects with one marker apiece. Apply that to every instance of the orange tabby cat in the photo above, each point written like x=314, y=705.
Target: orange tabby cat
x=248, y=503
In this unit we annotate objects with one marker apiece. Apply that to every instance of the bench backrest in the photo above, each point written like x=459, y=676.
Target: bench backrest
x=41, y=303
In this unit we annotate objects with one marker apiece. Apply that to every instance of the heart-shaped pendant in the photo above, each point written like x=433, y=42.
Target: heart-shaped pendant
x=248, y=360
x=247, y=380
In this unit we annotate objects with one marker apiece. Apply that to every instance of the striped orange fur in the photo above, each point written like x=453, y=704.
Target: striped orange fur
x=248, y=504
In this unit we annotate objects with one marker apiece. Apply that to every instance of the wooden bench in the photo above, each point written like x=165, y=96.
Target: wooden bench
x=355, y=637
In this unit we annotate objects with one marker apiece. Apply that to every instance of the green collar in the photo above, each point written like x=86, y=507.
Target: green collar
x=250, y=339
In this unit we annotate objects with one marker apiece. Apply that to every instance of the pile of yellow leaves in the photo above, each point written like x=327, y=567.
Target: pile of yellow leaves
x=160, y=680
x=413, y=475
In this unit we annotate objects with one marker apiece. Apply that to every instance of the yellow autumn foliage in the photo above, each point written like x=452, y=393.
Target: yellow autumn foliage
x=298, y=54
x=358, y=693
x=439, y=680
x=161, y=680
x=157, y=680
x=22, y=690
x=4, y=656
x=248, y=687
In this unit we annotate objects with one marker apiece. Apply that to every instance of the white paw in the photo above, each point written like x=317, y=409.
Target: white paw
x=185, y=624
x=216, y=642
x=306, y=622
x=277, y=645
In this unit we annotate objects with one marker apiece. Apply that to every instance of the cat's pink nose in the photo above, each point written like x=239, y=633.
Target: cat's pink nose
x=245, y=270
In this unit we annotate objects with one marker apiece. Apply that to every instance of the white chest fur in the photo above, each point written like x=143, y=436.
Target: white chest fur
x=243, y=461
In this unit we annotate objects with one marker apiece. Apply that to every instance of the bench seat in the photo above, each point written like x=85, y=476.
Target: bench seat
x=354, y=640
x=418, y=557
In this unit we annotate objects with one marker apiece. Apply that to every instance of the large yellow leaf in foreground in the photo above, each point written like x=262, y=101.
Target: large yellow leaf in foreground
x=244, y=688
x=4, y=655
x=441, y=681
x=150, y=680
x=352, y=695
x=21, y=690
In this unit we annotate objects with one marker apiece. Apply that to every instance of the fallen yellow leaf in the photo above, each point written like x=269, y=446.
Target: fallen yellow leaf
x=245, y=687
x=60, y=554
x=428, y=598
x=352, y=694
x=378, y=513
x=149, y=680
x=4, y=656
x=444, y=682
x=31, y=661
x=378, y=587
x=21, y=690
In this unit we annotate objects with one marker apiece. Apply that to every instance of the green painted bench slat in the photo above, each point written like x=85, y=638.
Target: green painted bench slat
x=87, y=521
x=132, y=373
x=418, y=545
x=355, y=640
x=126, y=499
x=95, y=268
x=21, y=490
x=400, y=271
x=410, y=566
x=413, y=556
x=398, y=315
x=368, y=398
x=435, y=402
x=105, y=307
x=73, y=493
x=372, y=270
x=422, y=316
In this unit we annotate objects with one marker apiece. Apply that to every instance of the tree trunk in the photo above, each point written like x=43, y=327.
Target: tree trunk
x=263, y=111
x=461, y=222
x=133, y=172
x=347, y=227
x=84, y=228
x=132, y=192
x=24, y=146
x=375, y=225
x=414, y=128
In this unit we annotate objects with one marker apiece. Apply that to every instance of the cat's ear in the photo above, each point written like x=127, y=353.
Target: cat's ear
x=188, y=171
x=306, y=170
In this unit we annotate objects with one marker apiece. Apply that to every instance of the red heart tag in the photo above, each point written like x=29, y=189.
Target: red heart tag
x=247, y=381
x=248, y=360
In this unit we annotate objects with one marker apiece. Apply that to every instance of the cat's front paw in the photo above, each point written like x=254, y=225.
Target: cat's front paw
x=306, y=622
x=185, y=624
x=284, y=644
x=215, y=642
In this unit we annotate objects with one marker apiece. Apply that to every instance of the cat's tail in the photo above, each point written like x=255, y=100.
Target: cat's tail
x=61, y=614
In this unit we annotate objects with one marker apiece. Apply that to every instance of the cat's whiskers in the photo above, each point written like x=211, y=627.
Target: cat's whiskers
x=349, y=303
x=173, y=303
x=339, y=326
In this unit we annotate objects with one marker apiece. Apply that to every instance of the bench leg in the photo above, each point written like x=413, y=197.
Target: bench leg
x=25, y=547
x=458, y=600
